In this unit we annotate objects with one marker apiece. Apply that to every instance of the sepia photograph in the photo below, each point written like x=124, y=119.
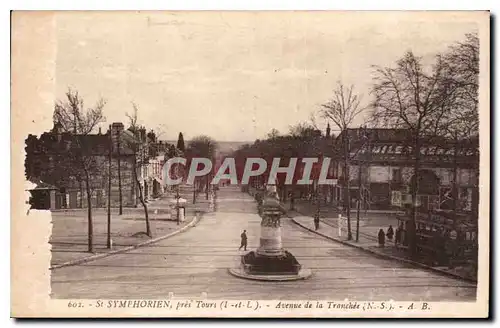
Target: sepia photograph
x=284, y=164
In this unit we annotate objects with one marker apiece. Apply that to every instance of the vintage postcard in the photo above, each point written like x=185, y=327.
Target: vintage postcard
x=250, y=164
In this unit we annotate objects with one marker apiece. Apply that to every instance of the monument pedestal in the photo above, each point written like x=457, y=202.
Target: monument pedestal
x=270, y=237
x=270, y=261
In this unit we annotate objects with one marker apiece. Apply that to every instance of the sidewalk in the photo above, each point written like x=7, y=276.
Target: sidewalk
x=383, y=218
x=69, y=237
x=368, y=242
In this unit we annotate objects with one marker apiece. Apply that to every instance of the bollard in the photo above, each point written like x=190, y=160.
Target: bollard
x=340, y=225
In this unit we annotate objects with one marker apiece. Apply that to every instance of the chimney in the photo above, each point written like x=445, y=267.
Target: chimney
x=100, y=132
x=143, y=134
x=328, y=130
x=116, y=131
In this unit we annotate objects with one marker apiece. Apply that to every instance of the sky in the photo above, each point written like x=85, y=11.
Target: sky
x=236, y=75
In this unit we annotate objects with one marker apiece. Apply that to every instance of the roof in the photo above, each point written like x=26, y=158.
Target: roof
x=95, y=144
x=379, y=134
x=395, y=146
x=40, y=185
x=398, y=136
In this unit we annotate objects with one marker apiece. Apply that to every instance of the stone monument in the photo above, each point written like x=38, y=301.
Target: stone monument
x=270, y=261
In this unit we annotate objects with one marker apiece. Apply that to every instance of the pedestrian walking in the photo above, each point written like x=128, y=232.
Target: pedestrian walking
x=316, y=221
x=390, y=233
x=244, y=240
x=397, y=240
x=381, y=238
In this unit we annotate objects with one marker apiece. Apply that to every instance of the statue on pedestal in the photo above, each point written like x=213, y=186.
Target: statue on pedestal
x=270, y=261
x=270, y=226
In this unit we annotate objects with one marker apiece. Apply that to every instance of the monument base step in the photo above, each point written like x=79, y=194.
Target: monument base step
x=257, y=264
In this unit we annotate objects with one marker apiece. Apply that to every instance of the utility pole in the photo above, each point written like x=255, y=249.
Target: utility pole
x=455, y=175
x=318, y=199
x=120, y=212
x=347, y=197
x=361, y=158
x=109, y=188
x=177, y=195
x=359, y=201
x=178, y=209
x=207, y=186
x=194, y=191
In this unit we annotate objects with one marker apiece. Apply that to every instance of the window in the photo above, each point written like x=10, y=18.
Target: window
x=396, y=198
x=396, y=175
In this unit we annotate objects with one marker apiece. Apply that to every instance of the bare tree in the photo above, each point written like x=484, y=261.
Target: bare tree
x=409, y=97
x=140, y=160
x=303, y=129
x=342, y=110
x=202, y=146
x=84, y=165
x=273, y=134
x=460, y=84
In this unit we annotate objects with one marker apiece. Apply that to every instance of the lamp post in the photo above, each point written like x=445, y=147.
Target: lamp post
x=108, y=241
x=177, y=207
x=177, y=194
x=120, y=210
x=361, y=157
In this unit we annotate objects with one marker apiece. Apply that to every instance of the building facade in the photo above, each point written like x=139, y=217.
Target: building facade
x=381, y=172
x=109, y=157
x=151, y=177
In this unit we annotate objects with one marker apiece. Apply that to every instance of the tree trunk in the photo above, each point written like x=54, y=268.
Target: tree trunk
x=347, y=197
x=412, y=233
x=318, y=205
x=141, y=199
x=455, y=179
x=359, y=202
x=178, y=209
x=81, y=192
x=108, y=243
x=207, y=187
x=89, y=215
x=120, y=212
x=194, y=191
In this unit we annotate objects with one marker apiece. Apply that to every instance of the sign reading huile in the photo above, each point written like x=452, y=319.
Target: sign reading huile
x=311, y=170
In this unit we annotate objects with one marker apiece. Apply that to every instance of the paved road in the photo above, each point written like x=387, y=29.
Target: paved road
x=196, y=261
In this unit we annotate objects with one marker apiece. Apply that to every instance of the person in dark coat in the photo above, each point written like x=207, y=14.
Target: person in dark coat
x=397, y=240
x=381, y=238
x=244, y=240
x=390, y=233
x=316, y=221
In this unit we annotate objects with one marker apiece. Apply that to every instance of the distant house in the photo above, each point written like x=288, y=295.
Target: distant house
x=43, y=195
x=386, y=179
x=42, y=164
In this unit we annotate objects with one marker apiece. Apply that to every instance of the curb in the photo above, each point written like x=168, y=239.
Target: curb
x=193, y=223
x=381, y=255
x=341, y=211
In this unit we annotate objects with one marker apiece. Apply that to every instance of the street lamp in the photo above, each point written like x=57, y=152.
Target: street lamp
x=361, y=158
x=178, y=214
x=177, y=194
